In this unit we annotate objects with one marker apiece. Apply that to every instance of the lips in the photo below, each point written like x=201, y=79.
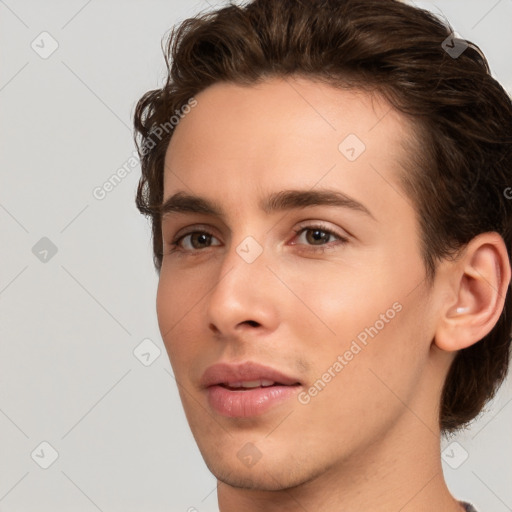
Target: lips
x=247, y=389
x=245, y=375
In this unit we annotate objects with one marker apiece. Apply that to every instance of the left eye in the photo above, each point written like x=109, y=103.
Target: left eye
x=319, y=234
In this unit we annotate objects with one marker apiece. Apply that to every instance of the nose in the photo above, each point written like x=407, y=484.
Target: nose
x=245, y=297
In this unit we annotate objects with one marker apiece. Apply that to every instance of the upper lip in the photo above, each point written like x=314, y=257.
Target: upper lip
x=228, y=373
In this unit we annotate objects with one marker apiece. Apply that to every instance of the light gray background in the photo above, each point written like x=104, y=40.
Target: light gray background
x=69, y=326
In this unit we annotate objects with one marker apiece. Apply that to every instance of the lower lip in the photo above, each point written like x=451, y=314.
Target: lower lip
x=252, y=402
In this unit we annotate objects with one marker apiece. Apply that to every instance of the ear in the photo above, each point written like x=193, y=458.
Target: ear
x=478, y=282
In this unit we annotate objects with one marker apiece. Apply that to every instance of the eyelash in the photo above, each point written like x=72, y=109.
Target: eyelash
x=175, y=247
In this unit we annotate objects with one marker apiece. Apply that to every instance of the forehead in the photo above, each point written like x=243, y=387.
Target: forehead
x=285, y=133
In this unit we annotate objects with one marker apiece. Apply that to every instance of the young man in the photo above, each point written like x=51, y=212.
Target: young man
x=332, y=234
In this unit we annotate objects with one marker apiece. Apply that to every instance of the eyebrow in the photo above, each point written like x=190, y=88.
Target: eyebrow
x=182, y=202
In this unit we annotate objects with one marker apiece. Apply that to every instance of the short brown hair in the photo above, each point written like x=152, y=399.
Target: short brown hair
x=462, y=115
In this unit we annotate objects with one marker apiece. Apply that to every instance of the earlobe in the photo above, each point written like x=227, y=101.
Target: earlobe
x=479, y=281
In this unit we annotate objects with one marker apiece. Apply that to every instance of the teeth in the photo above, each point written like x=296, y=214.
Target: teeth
x=252, y=384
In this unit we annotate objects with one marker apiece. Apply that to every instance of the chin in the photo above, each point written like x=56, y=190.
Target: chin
x=261, y=479
x=249, y=480
x=276, y=474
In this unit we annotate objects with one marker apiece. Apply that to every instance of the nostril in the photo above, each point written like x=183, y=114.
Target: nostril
x=253, y=323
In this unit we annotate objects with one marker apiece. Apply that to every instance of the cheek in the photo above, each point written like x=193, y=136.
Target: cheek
x=338, y=303
x=358, y=390
x=174, y=305
x=165, y=307
x=178, y=294
x=365, y=328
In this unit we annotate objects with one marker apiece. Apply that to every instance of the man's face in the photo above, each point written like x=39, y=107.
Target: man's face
x=343, y=317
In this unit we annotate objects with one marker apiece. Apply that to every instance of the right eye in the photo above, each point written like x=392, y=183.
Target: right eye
x=197, y=240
